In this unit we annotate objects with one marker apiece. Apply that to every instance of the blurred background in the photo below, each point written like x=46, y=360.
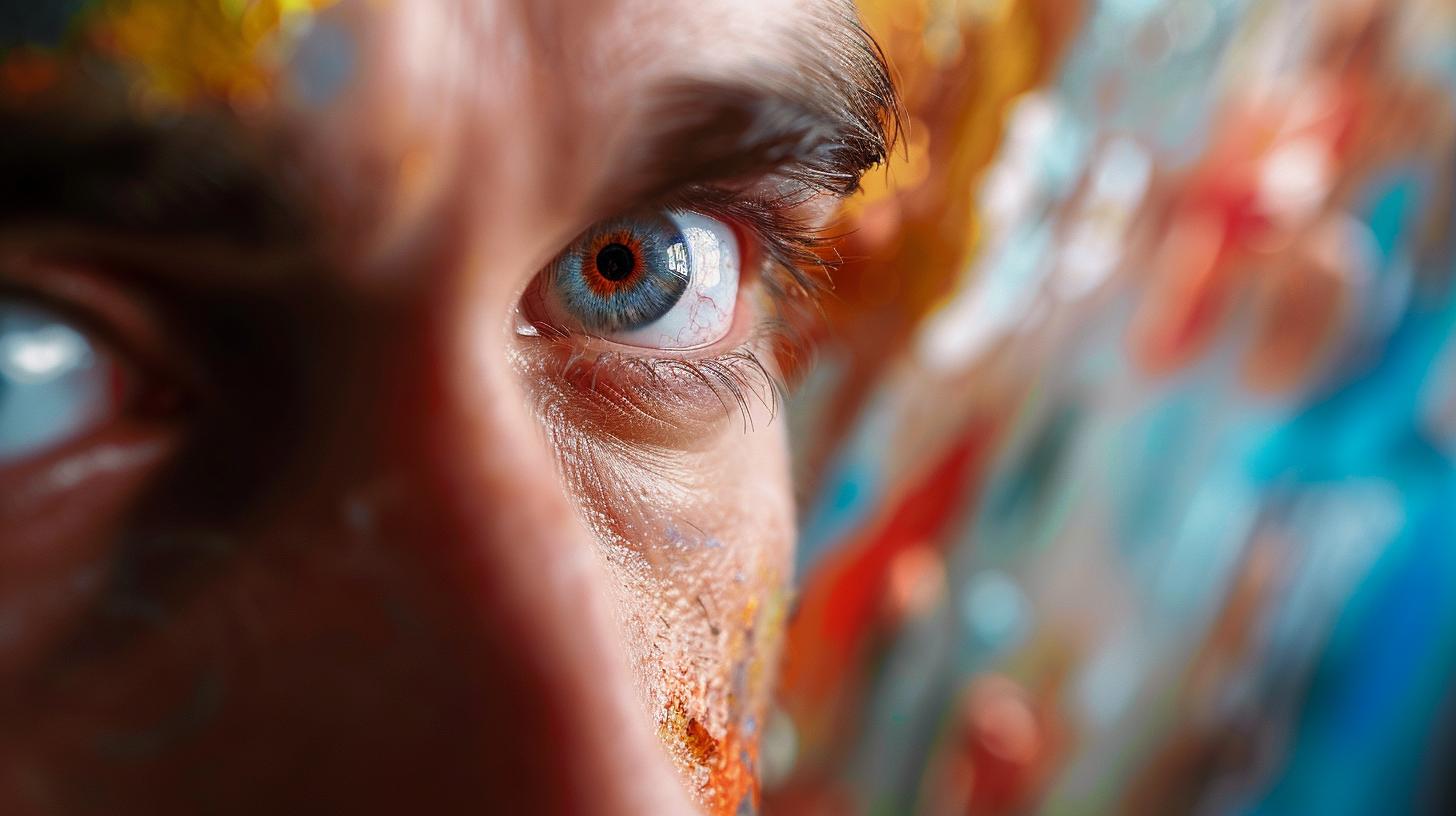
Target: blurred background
x=1127, y=468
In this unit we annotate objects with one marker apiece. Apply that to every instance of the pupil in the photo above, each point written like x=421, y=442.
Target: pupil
x=615, y=262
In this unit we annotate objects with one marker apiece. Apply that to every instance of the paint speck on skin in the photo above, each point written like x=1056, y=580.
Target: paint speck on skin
x=700, y=742
x=324, y=65
x=724, y=765
x=697, y=538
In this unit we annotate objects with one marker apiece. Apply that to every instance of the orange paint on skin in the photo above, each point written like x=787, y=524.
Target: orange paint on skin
x=715, y=739
x=730, y=760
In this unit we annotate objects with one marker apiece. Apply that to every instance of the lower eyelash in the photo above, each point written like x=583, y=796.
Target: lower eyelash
x=681, y=394
x=657, y=401
x=734, y=378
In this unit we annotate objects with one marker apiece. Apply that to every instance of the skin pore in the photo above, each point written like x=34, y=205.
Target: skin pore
x=361, y=532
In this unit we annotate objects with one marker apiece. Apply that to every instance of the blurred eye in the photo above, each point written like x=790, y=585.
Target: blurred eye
x=55, y=383
x=661, y=280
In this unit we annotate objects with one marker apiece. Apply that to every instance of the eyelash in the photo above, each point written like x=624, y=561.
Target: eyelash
x=792, y=247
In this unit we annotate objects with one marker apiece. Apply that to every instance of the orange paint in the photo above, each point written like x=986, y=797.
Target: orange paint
x=701, y=744
x=731, y=761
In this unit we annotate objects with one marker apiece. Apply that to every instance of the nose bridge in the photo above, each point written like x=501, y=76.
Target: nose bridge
x=474, y=497
x=532, y=596
x=497, y=534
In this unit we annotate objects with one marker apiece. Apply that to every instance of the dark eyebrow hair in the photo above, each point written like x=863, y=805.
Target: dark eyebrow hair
x=820, y=120
x=189, y=177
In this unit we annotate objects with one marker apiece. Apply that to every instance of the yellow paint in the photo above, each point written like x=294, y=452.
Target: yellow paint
x=959, y=64
x=225, y=50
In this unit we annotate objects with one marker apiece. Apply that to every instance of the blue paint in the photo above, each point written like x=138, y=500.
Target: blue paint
x=324, y=64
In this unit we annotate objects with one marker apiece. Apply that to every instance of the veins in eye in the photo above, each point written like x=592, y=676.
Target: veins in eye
x=706, y=313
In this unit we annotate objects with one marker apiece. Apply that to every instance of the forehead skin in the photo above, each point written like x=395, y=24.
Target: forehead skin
x=522, y=105
x=461, y=146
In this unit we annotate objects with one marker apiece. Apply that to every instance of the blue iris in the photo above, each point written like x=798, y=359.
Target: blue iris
x=623, y=274
x=53, y=382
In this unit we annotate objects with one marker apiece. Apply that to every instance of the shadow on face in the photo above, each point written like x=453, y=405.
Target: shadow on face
x=388, y=394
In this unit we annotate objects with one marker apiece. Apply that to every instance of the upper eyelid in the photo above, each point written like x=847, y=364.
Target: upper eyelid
x=774, y=214
x=770, y=209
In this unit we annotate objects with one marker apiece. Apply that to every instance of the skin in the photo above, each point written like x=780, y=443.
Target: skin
x=363, y=545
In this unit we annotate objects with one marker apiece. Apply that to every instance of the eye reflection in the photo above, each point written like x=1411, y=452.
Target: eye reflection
x=55, y=384
x=664, y=280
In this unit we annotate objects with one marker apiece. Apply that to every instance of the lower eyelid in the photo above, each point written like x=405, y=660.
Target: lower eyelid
x=671, y=402
x=125, y=454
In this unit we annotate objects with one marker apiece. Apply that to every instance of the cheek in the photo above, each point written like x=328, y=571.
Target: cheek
x=57, y=522
x=699, y=550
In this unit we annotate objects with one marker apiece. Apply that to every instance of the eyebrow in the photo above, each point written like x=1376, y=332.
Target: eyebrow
x=188, y=178
x=821, y=120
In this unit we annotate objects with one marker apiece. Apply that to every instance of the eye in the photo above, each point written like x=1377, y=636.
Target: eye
x=665, y=280
x=55, y=384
